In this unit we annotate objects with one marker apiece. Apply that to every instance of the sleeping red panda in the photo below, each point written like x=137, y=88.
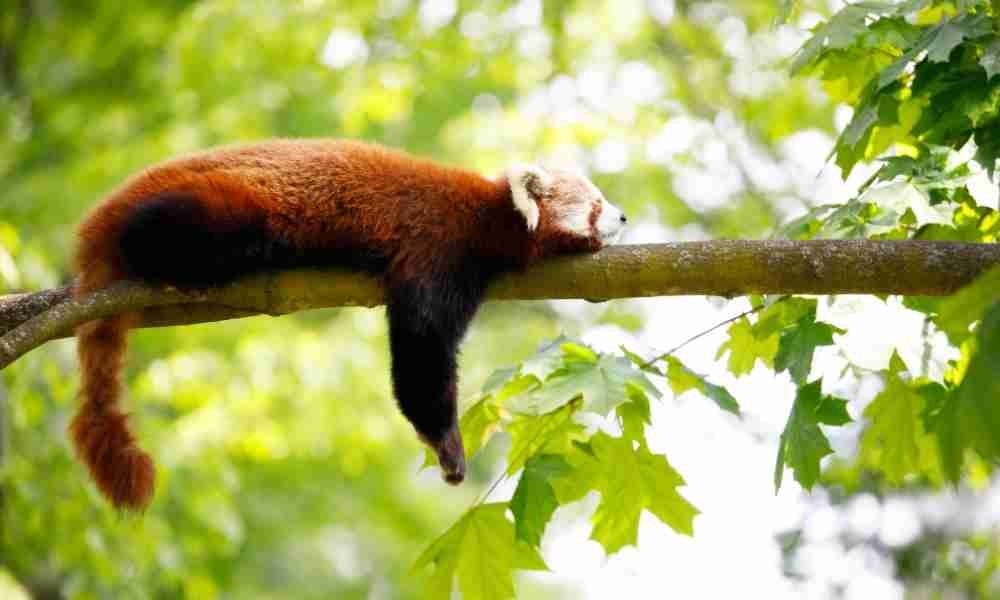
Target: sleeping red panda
x=435, y=235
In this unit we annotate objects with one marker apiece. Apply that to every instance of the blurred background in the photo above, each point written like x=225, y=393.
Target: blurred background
x=285, y=470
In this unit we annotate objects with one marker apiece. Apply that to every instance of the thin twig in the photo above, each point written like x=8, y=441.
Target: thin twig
x=701, y=334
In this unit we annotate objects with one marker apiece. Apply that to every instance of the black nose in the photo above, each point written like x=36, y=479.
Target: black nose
x=623, y=219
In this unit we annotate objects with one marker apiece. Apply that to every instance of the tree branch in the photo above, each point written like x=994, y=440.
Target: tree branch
x=720, y=268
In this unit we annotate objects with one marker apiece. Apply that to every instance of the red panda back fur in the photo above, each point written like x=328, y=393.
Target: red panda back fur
x=324, y=197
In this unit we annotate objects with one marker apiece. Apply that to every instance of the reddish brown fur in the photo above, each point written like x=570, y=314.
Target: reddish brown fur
x=313, y=194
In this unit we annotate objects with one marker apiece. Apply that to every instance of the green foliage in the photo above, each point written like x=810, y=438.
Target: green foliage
x=969, y=418
x=746, y=348
x=534, y=500
x=929, y=84
x=896, y=442
x=956, y=314
x=629, y=480
x=683, y=379
x=802, y=443
x=797, y=344
x=480, y=550
x=559, y=461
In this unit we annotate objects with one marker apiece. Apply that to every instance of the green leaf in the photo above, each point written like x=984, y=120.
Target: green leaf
x=832, y=411
x=639, y=362
x=970, y=417
x=991, y=59
x=802, y=443
x=799, y=342
x=746, y=348
x=898, y=198
x=517, y=386
x=988, y=147
x=534, y=500
x=785, y=11
x=601, y=383
x=782, y=314
x=947, y=36
x=865, y=115
x=938, y=41
x=892, y=441
x=477, y=425
x=574, y=351
x=683, y=379
x=554, y=431
x=481, y=550
x=635, y=413
x=499, y=378
x=840, y=31
x=546, y=360
x=630, y=479
x=958, y=312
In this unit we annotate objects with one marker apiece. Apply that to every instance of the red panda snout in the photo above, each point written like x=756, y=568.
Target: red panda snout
x=565, y=201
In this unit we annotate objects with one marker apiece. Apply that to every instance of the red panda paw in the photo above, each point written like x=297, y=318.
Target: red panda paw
x=451, y=455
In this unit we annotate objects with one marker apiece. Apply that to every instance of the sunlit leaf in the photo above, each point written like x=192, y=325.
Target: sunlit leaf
x=802, y=443
x=746, y=348
x=530, y=434
x=970, y=417
x=482, y=552
x=629, y=479
x=683, y=379
x=798, y=343
x=957, y=313
x=892, y=442
x=534, y=500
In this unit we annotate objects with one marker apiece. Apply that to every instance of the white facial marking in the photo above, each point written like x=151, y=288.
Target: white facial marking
x=609, y=223
x=518, y=176
x=582, y=199
x=576, y=217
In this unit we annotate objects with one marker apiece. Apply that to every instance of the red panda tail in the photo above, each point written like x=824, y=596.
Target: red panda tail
x=122, y=471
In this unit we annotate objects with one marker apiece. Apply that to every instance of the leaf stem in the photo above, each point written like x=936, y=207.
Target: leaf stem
x=705, y=332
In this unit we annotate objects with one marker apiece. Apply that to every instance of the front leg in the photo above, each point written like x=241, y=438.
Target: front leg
x=426, y=324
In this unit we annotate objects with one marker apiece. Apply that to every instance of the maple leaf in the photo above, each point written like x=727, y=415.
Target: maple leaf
x=798, y=343
x=895, y=441
x=630, y=479
x=970, y=417
x=802, y=443
x=481, y=550
x=534, y=500
x=529, y=434
x=683, y=379
x=746, y=348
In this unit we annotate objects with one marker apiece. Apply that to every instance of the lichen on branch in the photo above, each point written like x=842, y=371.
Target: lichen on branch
x=718, y=268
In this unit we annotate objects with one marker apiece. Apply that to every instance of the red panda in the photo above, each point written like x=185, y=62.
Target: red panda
x=435, y=235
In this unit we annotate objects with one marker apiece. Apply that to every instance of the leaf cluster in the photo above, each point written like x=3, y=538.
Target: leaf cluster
x=576, y=422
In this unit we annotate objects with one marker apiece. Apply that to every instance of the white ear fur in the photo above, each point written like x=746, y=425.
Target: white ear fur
x=525, y=179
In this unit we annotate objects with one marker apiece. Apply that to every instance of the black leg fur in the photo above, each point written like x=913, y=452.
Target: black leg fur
x=426, y=324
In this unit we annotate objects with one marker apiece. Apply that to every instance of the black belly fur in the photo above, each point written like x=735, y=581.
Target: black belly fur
x=172, y=239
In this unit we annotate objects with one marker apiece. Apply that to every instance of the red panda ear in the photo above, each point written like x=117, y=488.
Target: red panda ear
x=528, y=184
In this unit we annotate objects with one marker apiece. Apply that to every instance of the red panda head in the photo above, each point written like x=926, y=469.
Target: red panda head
x=564, y=211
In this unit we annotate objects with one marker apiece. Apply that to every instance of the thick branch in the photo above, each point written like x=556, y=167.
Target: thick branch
x=722, y=268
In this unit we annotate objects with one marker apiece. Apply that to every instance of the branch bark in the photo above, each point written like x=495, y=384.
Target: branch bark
x=721, y=268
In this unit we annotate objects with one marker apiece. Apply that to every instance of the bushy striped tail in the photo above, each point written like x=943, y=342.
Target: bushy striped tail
x=122, y=471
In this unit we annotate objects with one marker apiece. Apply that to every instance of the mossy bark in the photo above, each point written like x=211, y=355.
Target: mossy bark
x=718, y=268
